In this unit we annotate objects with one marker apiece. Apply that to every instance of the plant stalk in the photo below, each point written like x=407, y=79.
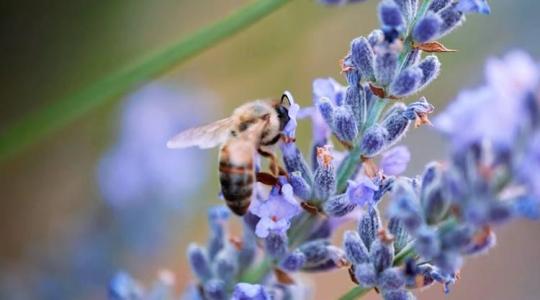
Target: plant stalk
x=38, y=124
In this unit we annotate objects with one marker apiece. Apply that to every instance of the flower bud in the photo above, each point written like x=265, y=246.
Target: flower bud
x=326, y=108
x=405, y=206
x=251, y=220
x=369, y=225
x=427, y=243
x=355, y=98
x=246, y=291
x=199, y=262
x=338, y=206
x=375, y=37
x=527, y=207
x=362, y=57
x=214, y=289
x=419, y=110
x=217, y=217
x=474, y=6
x=366, y=275
x=451, y=19
x=412, y=58
x=396, y=124
x=373, y=141
x=294, y=261
x=356, y=251
x=226, y=265
x=325, y=176
x=406, y=83
x=448, y=262
x=345, y=126
x=427, y=28
x=323, y=230
x=484, y=239
x=433, y=199
x=400, y=294
x=431, y=68
x=382, y=255
x=438, y=5
x=401, y=237
x=294, y=160
x=390, y=16
x=499, y=212
x=276, y=244
x=124, y=287
x=320, y=255
x=385, y=67
x=456, y=237
x=300, y=187
x=395, y=161
x=246, y=255
x=408, y=8
x=391, y=279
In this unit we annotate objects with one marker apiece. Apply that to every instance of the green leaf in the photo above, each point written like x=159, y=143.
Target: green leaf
x=40, y=123
x=355, y=293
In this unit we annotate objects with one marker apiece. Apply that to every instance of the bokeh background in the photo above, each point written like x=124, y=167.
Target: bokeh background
x=103, y=194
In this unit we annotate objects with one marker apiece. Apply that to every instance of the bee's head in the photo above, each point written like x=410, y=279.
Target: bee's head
x=282, y=109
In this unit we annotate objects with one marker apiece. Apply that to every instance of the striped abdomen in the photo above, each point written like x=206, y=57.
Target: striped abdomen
x=236, y=174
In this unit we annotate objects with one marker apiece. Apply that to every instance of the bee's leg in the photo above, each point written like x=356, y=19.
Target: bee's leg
x=275, y=168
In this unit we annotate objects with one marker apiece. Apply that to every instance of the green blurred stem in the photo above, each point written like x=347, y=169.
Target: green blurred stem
x=423, y=9
x=355, y=293
x=257, y=273
x=40, y=123
x=404, y=254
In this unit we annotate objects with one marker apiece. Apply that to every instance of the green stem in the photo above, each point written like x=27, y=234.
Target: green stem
x=257, y=273
x=355, y=293
x=349, y=165
x=423, y=9
x=347, y=168
x=404, y=254
x=38, y=124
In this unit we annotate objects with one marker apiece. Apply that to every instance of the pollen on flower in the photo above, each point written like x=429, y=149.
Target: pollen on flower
x=324, y=156
x=385, y=236
x=422, y=119
x=344, y=68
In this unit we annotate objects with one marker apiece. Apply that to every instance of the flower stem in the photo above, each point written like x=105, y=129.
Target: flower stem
x=40, y=123
x=349, y=165
x=404, y=254
x=257, y=273
x=355, y=293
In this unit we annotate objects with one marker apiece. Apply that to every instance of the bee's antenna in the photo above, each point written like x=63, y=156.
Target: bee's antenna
x=287, y=95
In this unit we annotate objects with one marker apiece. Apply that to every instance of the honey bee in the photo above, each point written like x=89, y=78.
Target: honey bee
x=252, y=128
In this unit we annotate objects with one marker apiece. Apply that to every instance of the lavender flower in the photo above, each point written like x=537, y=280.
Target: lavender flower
x=395, y=160
x=245, y=291
x=150, y=117
x=276, y=212
x=434, y=221
x=474, y=6
x=427, y=28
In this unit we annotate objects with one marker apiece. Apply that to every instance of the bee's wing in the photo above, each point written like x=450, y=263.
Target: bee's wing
x=207, y=136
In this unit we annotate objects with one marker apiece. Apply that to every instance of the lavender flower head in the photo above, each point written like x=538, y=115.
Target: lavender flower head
x=433, y=221
x=276, y=212
x=137, y=168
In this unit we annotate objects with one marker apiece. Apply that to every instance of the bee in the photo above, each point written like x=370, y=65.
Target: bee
x=252, y=128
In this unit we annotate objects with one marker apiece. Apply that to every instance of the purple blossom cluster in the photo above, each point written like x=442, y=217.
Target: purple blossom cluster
x=433, y=221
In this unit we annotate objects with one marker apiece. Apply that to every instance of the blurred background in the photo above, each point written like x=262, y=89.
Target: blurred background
x=104, y=195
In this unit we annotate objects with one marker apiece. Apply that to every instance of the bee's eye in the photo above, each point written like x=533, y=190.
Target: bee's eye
x=283, y=115
x=285, y=99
